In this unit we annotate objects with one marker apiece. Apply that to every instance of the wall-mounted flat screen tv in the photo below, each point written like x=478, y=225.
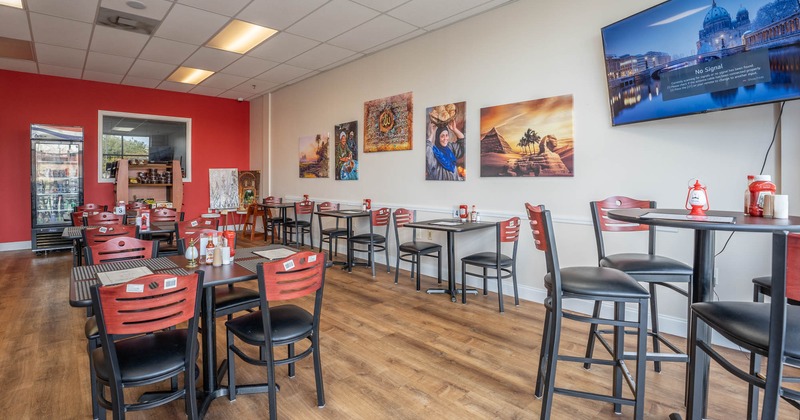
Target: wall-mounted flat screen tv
x=685, y=57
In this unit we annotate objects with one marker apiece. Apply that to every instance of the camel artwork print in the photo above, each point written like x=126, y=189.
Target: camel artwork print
x=532, y=138
x=313, y=155
x=445, y=146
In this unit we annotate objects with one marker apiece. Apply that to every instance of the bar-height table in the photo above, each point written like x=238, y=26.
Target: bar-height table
x=243, y=269
x=282, y=207
x=348, y=216
x=451, y=227
x=703, y=269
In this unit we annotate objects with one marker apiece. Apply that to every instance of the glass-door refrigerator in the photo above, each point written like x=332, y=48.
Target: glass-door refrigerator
x=56, y=183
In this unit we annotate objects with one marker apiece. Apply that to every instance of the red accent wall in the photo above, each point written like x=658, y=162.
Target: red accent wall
x=220, y=136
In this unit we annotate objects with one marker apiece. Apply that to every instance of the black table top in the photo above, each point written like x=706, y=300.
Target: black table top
x=344, y=213
x=450, y=225
x=741, y=222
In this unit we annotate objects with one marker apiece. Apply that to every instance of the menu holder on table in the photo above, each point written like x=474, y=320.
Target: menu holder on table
x=689, y=217
x=275, y=254
x=122, y=276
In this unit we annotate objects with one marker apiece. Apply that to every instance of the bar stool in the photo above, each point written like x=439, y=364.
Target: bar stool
x=593, y=284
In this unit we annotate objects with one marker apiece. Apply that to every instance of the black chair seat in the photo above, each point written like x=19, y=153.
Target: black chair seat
x=145, y=357
x=747, y=324
x=643, y=264
x=227, y=298
x=487, y=259
x=334, y=232
x=763, y=282
x=289, y=322
x=419, y=247
x=605, y=283
x=301, y=223
x=366, y=238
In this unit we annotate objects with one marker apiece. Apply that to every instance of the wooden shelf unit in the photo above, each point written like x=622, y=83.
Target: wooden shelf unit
x=125, y=191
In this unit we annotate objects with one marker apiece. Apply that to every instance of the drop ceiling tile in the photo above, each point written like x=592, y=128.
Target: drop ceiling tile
x=375, y=32
x=466, y=14
x=282, y=73
x=320, y=56
x=282, y=47
x=211, y=59
x=303, y=77
x=154, y=9
x=82, y=10
x=117, y=42
x=223, y=81
x=60, y=56
x=151, y=69
x=14, y=24
x=226, y=8
x=141, y=82
x=167, y=51
x=51, y=30
x=249, y=67
x=60, y=71
x=18, y=65
x=381, y=5
x=341, y=62
x=254, y=87
x=422, y=13
x=98, y=76
x=107, y=63
x=175, y=86
x=231, y=94
x=190, y=25
x=332, y=19
x=207, y=91
x=395, y=41
x=278, y=14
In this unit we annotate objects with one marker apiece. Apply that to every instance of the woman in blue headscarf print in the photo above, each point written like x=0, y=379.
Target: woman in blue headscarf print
x=444, y=148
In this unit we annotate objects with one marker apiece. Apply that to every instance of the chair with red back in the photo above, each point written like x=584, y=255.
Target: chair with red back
x=330, y=234
x=587, y=284
x=414, y=250
x=770, y=330
x=92, y=207
x=301, y=225
x=651, y=268
x=106, y=232
x=503, y=265
x=120, y=249
x=273, y=223
x=372, y=241
x=78, y=217
x=135, y=205
x=104, y=218
x=147, y=308
x=294, y=277
x=166, y=241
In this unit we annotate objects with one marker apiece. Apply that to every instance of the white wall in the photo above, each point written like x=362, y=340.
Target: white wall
x=527, y=50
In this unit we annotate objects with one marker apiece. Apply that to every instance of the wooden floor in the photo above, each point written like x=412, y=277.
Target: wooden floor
x=387, y=352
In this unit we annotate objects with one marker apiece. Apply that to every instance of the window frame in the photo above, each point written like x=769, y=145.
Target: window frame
x=101, y=114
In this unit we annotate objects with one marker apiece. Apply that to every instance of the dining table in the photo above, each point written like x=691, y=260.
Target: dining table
x=703, y=269
x=283, y=208
x=243, y=268
x=348, y=215
x=451, y=227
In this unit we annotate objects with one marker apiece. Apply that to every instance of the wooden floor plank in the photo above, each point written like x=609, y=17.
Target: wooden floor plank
x=388, y=351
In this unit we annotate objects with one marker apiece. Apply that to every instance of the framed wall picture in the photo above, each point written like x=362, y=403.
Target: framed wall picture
x=346, y=151
x=223, y=188
x=445, y=145
x=388, y=122
x=313, y=156
x=531, y=138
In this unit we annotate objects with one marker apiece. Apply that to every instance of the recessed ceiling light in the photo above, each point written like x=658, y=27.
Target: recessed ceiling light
x=240, y=37
x=134, y=4
x=124, y=129
x=16, y=48
x=189, y=75
x=12, y=3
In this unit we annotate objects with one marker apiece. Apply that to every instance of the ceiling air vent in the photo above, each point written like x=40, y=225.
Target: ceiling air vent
x=126, y=21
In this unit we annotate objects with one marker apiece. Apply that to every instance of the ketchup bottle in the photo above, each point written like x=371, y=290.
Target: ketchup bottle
x=762, y=186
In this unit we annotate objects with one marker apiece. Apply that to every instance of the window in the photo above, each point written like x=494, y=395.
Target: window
x=152, y=138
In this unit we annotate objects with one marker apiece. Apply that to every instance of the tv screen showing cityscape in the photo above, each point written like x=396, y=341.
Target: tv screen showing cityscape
x=685, y=57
